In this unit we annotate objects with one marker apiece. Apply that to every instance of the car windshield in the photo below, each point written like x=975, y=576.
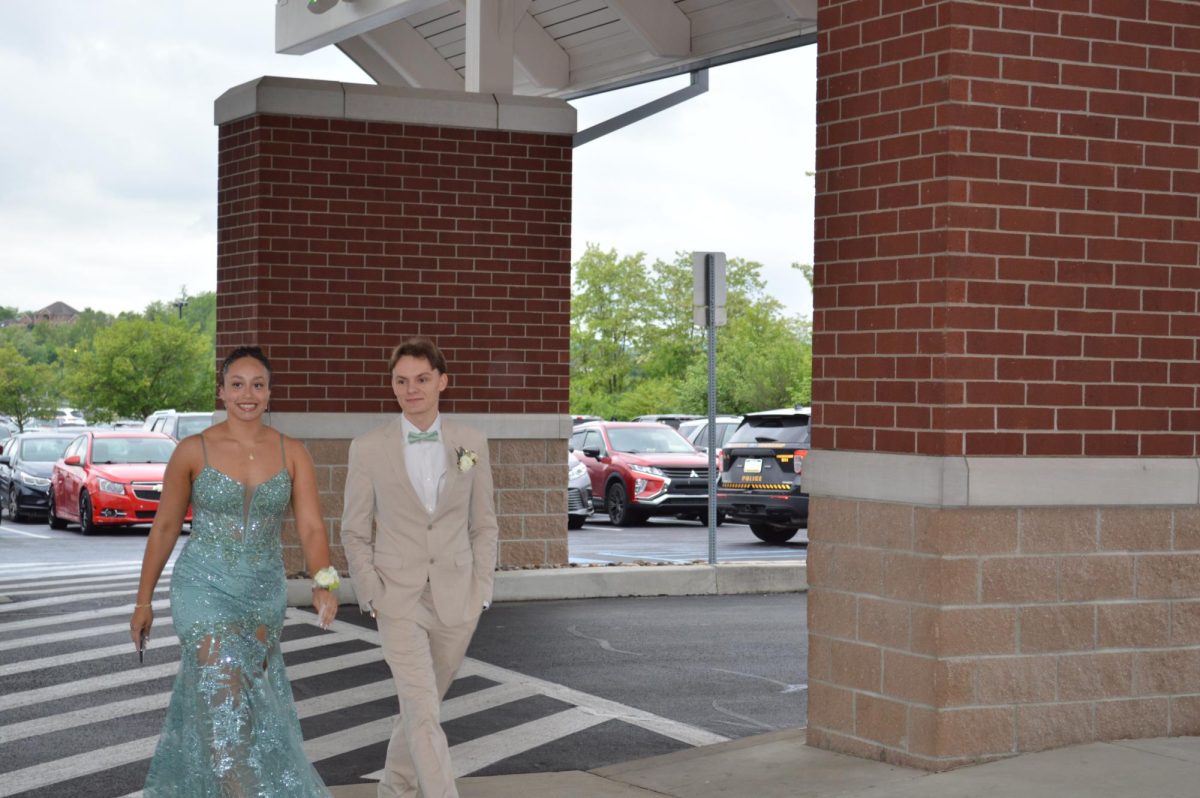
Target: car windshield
x=646, y=440
x=190, y=425
x=792, y=430
x=44, y=450
x=132, y=450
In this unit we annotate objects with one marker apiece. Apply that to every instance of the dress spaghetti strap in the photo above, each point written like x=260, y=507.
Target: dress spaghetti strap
x=282, y=450
x=204, y=448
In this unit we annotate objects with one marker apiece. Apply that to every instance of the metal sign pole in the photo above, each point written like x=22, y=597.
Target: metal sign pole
x=710, y=311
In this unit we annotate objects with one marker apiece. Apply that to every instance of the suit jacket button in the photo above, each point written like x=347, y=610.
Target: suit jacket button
x=432, y=560
x=429, y=526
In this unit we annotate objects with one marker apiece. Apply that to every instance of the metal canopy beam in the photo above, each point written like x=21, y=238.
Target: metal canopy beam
x=698, y=86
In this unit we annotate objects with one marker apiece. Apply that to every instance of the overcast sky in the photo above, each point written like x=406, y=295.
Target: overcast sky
x=108, y=169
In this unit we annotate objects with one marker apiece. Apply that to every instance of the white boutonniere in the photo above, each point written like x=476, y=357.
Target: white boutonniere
x=466, y=459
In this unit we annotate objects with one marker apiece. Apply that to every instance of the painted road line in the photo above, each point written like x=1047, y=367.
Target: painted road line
x=380, y=729
x=317, y=705
x=146, y=674
x=72, y=617
x=601, y=707
x=121, y=649
x=54, y=600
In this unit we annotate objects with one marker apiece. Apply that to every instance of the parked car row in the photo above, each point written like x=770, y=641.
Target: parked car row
x=89, y=476
x=640, y=469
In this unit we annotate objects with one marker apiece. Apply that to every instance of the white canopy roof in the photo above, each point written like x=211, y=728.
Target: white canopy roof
x=549, y=48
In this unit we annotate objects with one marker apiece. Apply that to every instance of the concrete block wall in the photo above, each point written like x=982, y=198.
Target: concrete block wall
x=944, y=636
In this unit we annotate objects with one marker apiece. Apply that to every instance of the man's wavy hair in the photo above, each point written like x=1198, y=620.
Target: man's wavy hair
x=419, y=348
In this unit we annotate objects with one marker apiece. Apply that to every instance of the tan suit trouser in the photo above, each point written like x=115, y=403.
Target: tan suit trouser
x=424, y=654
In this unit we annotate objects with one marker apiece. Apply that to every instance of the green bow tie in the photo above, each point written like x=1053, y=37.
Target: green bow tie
x=417, y=437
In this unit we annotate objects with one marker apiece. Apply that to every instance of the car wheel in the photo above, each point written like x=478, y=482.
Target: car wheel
x=575, y=521
x=616, y=502
x=769, y=533
x=14, y=512
x=52, y=517
x=87, y=525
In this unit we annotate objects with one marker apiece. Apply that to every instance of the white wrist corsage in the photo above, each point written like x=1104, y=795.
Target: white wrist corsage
x=326, y=579
x=466, y=459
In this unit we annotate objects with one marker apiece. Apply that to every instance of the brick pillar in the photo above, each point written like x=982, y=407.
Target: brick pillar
x=350, y=217
x=1005, y=549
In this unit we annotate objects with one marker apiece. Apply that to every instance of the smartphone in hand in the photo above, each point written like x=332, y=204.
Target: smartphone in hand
x=141, y=647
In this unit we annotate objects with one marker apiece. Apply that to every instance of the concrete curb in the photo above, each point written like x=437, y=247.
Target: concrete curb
x=549, y=584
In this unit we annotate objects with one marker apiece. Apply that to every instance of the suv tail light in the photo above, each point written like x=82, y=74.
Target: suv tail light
x=798, y=460
x=720, y=460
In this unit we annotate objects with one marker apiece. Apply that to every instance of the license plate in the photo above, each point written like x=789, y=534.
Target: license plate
x=752, y=465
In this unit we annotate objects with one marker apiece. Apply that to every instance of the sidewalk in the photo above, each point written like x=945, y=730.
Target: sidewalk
x=779, y=765
x=613, y=581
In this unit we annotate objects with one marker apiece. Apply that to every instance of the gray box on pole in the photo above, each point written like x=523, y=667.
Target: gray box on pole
x=700, y=288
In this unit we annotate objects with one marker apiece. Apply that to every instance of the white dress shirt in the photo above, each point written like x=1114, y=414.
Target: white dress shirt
x=425, y=461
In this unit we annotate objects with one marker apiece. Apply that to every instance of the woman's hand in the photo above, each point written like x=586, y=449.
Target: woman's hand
x=139, y=625
x=326, y=605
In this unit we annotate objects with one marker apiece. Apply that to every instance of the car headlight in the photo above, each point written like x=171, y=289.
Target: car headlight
x=653, y=471
x=577, y=470
x=32, y=481
x=111, y=487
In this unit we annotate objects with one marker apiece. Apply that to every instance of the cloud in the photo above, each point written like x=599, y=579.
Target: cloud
x=109, y=153
x=723, y=171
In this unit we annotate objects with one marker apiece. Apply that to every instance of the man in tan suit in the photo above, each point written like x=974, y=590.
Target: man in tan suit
x=423, y=485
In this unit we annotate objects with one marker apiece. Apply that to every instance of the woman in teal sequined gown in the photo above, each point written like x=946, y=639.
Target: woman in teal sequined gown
x=231, y=729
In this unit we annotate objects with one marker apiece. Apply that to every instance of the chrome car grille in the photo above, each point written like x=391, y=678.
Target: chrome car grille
x=688, y=481
x=687, y=473
x=576, y=500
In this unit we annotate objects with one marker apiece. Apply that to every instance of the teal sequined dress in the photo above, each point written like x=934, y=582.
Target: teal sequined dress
x=231, y=730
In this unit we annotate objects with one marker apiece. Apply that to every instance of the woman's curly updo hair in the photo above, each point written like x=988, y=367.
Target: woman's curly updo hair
x=241, y=352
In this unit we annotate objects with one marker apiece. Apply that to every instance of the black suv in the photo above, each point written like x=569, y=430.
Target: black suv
x=27, y=461
x=761, y=466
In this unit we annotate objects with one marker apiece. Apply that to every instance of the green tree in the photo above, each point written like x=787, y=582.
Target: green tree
x=635, y=350
x=198, y=311
x=764, y=356
x=136, y=366
x=26, y=389
x=612, y=308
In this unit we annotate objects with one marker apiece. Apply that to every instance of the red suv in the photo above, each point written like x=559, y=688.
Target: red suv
x=642, y=470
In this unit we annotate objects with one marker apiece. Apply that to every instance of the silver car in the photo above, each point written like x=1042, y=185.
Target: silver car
x=696, y=431
x=579, y=493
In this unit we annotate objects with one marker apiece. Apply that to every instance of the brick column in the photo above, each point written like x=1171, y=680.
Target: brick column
x=1005, y=547
x=351, y=217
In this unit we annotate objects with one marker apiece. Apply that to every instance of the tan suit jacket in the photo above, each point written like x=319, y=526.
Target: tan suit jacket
x=394, y=545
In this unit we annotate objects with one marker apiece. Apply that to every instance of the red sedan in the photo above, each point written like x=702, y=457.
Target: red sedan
x=109, y=478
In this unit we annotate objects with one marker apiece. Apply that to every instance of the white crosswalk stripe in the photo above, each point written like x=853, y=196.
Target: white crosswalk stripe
x=101, y=636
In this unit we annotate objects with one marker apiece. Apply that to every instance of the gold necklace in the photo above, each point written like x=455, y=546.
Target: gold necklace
x=249, y=452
